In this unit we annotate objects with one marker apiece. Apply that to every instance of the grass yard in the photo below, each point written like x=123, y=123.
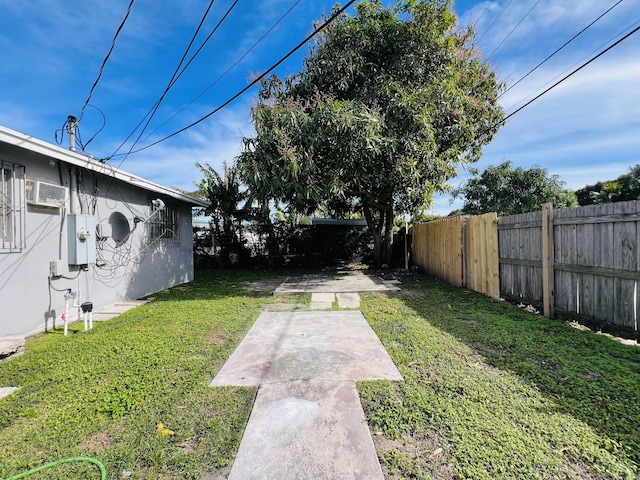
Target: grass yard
x=490, y=391
x=495, y=392
x=101, y=393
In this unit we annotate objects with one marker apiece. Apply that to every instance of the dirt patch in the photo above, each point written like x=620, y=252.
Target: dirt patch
x=266, y=285
x=217, y=474
x=101, y=441
x=285, y=307
x=493, y=351
x=215, y=340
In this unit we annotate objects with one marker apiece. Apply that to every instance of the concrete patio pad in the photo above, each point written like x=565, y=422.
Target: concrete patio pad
x=306, y=429
x=342, y=282
x=286, y=346
x=111, y=311
x=348, y=300
x=322, y=301
x=11, y=346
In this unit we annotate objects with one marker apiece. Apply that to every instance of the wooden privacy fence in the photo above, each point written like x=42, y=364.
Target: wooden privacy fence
x=460, y=250
x=580, y=263
x=587, y=269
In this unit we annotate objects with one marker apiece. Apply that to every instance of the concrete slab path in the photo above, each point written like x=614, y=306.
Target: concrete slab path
x=340, y=282
x=322, y=301
x=337, y=345
x=307, y=429
x=11, y=346
x=307, y=421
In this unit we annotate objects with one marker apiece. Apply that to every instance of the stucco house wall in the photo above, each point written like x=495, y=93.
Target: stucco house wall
x=130, y=237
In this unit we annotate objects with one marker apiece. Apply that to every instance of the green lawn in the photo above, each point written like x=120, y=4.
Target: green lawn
x=490, y=391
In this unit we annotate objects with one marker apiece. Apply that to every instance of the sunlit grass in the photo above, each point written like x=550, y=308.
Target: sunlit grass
x=491, y=392
x=100, y=393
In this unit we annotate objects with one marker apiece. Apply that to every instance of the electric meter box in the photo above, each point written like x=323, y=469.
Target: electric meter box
x=82, y=239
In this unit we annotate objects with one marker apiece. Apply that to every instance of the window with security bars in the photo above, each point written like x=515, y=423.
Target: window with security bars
x=12, y=207
x=164, y=226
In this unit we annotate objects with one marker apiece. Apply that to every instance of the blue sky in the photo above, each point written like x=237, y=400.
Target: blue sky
x=585, y=130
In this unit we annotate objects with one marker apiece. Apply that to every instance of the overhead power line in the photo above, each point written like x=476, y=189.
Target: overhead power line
x=495, y=20
x=106, y=58
x=485, y=11
x=560, y=48
x=559, y=75
x=513, y=29
x=177, y=74
x=591, y=60
x=228, y=70
x=256, y=80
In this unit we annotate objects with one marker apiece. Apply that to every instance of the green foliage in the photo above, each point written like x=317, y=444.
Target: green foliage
x=225, y=195
x=626, y=187
x=389, y=103
x=508, y=191
x=494, y=392
x=100, y=393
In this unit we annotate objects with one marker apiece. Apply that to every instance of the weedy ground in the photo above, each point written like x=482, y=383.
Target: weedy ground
x=490, y=391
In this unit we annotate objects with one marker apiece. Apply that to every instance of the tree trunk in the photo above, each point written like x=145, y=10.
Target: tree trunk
x=388, y=235
x=382, y=231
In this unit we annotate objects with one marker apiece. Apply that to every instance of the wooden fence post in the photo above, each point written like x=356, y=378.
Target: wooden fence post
x=548, y=298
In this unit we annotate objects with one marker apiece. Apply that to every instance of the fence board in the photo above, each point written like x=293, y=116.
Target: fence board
x=438, y=248
x=596, y=265
x=604, y=286
x=624, y=258
x=586, y=255
x=482, y=254
x=460, y=250
x=565, y=253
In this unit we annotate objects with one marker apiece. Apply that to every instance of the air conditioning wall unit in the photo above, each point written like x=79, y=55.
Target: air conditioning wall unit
x=46, y=194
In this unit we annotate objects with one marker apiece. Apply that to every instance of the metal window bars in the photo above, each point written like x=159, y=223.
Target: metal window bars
x=12, y=207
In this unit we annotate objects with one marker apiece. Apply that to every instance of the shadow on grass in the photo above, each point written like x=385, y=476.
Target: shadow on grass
x=217, y=283
x=590, y=377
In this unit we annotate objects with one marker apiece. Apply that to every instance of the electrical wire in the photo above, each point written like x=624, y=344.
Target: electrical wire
x=485, y=11
x=106, y=58
x=104, y=123
x=513, y=29
x=256, y=80
x=494, y=21
x=149, y=115
x=228, y=70
x=576, y=63
x=591, y=60
x=560, y=48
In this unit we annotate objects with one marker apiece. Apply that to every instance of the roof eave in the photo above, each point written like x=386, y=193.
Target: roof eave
x=41, y=147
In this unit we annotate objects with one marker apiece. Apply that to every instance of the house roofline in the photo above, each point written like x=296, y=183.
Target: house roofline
x=41, y=147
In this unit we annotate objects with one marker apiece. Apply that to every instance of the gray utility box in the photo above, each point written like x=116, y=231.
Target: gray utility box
x=82, y=239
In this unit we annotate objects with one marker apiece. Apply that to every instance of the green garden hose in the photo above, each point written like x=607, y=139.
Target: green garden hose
x=103, y=471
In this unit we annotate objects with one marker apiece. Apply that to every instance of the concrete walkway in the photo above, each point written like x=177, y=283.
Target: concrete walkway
x=336, y=283
x=307, y=421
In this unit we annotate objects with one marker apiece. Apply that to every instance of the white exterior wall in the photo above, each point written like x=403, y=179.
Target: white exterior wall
x=31, y=300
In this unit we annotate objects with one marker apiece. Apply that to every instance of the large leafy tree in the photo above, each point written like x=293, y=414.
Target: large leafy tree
x=625, y=187
x=508, y=191
x=389, y=103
